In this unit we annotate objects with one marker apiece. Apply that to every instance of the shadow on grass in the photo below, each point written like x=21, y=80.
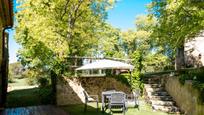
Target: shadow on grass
x=91, y=110
x=79, y=110
x=29, y=97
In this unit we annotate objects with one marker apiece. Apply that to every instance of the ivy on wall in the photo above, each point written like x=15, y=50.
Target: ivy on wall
x=197, y=78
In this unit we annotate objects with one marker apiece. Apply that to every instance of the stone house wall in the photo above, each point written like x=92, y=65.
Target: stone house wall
x=194, y=51
x=185, y=96
x=70, y=90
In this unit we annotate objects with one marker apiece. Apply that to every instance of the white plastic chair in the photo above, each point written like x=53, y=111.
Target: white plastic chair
x=118, y=100
x=90, y=98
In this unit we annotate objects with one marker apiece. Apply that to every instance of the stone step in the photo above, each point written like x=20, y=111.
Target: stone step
x=164, y=103
x=158, y=97
x=153, y=85
x=168, y=109
x=159, y=93
x=150, y=89
x=163, y=98
x=153, y=82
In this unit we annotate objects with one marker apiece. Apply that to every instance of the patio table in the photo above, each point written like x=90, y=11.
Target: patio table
x=106, y=94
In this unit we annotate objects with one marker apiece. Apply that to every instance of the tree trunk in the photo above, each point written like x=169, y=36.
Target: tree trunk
x=180, y=59
x=53, y=83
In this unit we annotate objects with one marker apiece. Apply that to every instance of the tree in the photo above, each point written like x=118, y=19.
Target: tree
x=142, y=48
x=51, y=30
x=110, y=43
x=178, y=21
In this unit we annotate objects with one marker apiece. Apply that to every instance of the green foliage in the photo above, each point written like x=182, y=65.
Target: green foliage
x=15, y=71
x=197, y=77
x=31, y=75
x=46, y=95
x=124, y=78
x=50, y=31
x=156, y=62
x=143, y=49
x=37, y=76
x=43, y=82
x=177, y=21
x=110, y=43
x=137, y=81
x=10, y=78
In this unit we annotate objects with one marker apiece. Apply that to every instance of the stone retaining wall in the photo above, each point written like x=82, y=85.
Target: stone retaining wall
x=70, y=90
x=185, y=96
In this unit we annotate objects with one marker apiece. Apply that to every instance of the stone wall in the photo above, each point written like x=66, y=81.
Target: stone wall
x=185, y=96
x=70, y=90
x=192, y=50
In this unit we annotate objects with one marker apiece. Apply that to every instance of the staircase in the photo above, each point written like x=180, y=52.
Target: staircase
x=158, y=97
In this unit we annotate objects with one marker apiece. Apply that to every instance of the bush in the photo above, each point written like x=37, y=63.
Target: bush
x=197, y=76
x=31, y=81
x=124, y=78
x=137, y=80
x=10, y=78
x=31, y=76
x=42, y=81
x=46, y=96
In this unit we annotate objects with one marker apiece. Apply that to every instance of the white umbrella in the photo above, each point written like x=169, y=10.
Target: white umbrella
x=106, y=64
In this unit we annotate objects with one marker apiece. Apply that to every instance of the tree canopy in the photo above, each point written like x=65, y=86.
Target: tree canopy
x=51, y=30
x=178, y=20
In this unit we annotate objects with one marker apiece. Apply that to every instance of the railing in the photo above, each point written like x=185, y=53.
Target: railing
x=170, y=72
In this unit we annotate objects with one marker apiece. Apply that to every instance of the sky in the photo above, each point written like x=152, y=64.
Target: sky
x=122, y=16
x=125, y=11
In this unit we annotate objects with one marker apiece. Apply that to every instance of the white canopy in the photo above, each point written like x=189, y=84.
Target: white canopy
x=106, y=64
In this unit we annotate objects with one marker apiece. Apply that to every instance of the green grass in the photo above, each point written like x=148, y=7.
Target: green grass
x=29, y=97
x=19, y=82
x=144, y=109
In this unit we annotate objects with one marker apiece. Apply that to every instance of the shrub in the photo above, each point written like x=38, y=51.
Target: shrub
x=42, y=81
x=124, y=78
x=46, y=96
x=197, y=76
x=137, y=80
x=30, y=81
x=10, y=78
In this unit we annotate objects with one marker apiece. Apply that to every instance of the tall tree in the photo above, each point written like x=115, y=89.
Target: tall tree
x=178, y=21
x=110, y=43
x=51, y=30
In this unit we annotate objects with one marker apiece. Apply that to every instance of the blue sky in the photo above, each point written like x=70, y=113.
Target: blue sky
x=125, y=11
x=122, y=16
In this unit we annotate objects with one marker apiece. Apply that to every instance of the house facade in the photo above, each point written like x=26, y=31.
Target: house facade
x=6, y=22
x=194, y=51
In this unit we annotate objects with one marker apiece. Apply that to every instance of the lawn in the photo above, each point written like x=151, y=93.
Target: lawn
x=29, y=97
x=21, y=94
x=144, y=109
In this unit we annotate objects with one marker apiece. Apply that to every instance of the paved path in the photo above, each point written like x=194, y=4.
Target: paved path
x=34, y=110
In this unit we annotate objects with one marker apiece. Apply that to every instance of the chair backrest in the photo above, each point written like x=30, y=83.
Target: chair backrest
x=136, y=93
x=86, y=95
x=118, y=97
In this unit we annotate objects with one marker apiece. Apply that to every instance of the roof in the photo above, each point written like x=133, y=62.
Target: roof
x=106, y=64
x=6, y=15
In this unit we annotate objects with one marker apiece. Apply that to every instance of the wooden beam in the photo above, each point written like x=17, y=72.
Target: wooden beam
x=6, y=15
